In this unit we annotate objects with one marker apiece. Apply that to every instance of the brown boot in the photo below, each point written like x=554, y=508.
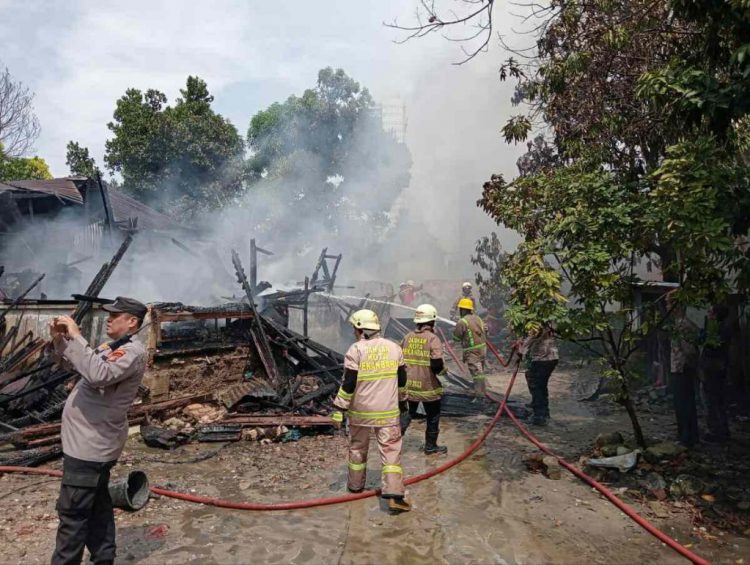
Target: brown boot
x=398, y=505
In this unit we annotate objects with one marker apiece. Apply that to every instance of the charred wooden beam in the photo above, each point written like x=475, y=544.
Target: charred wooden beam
x=198, y=350
x=258, y=333
x=101, y=279
x=325, y=390
x=13, y=305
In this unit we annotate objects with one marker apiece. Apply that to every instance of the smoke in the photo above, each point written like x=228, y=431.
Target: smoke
x=425, y=231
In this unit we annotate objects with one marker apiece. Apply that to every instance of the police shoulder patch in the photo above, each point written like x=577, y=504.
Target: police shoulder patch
x=115, y=355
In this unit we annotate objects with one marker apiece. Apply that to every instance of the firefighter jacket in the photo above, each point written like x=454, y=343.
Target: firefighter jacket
x=374, y=401
x=471, y=331
x=421, y=348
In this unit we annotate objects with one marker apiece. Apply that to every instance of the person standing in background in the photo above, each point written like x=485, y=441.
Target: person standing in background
x=683, y=368
x=714, y=364
x=541, y=353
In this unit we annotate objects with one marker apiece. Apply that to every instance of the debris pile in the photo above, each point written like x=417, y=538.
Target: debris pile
x=219, y=373
x=711, y=483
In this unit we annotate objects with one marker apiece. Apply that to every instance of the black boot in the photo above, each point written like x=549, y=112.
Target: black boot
x=431, y=447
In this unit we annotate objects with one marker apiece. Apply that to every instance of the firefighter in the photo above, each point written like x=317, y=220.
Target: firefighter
x=466, y=292
x=407, y=292
x=95, y=428
x=373, y=396
x=471, y=332
x=423, y=354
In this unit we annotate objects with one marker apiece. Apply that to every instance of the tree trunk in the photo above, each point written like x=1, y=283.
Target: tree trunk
x=627, y=402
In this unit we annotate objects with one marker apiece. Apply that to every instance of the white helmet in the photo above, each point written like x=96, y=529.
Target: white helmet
x=410, y=282
x=425, y=313
x=466, y=285
x=365, y=320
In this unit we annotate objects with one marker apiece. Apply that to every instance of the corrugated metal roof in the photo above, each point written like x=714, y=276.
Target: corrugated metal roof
x=125, y=207
x=64, y=188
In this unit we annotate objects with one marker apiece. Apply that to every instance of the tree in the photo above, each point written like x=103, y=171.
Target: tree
x=22, y=168
x=19, y=126
x=324, y=155
x=80, y=162
x=490, y=258
x=184, y=157
x=646, y=169
x=646, y=102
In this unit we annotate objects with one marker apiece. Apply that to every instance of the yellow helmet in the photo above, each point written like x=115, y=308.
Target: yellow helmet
x=425, y=313
x=466, y=304
x=365, y=320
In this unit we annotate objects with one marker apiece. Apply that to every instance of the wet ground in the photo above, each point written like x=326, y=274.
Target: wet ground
x=489, y=509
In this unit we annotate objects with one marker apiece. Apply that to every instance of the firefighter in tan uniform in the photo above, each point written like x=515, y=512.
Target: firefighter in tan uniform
x=373, y=395
x=466, y=292
x=423, y=354
x=471, y=332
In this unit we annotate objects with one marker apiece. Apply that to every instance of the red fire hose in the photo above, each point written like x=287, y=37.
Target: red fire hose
x=293, y=505
x=650, y=528
x=642, y=522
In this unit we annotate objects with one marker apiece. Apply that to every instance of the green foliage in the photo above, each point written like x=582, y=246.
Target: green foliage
x=326, y=156
x=517, y=129
x=647, y=103
x=80, y=162
x=20, y=168
x=490, y=258
x=183, y=157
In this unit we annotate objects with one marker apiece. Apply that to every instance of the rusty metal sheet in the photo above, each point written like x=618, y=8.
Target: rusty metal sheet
x=125, y=207
x=64, y=188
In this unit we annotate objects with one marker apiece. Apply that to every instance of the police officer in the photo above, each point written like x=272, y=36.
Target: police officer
x=373, y=395
x=95, y=428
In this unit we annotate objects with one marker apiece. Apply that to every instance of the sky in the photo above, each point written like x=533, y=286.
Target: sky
x=79, y=57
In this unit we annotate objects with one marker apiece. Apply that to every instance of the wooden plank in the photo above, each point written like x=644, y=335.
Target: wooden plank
x=277, y=420
x=141, y=409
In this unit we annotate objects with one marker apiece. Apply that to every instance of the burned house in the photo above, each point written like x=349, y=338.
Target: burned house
x=61, y=227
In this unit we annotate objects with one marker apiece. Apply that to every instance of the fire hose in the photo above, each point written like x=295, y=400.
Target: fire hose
x=608, y=494
x=294, y=505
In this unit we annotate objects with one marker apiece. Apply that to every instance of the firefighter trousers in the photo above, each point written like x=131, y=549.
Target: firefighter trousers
x=432, y=410
x=389, y=446
x=475, y=360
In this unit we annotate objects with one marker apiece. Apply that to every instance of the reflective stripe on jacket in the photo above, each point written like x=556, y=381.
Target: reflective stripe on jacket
x=419, y=347
x=374, y=402
x=471, y=332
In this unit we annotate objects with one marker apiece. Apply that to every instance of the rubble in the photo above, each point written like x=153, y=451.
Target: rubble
x=622, y=463
x=604, y=439
x=685, y=485
x=663, y=451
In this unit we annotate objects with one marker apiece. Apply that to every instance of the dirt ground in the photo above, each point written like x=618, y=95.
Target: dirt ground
x=489, y=509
